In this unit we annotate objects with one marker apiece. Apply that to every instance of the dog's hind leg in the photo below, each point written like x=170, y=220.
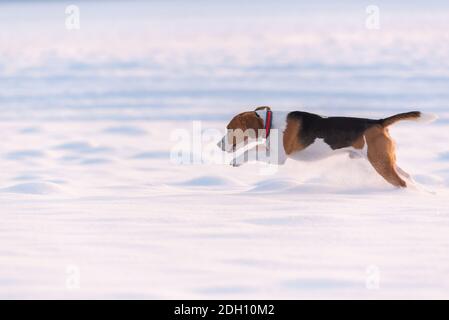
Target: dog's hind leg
x=381, y=155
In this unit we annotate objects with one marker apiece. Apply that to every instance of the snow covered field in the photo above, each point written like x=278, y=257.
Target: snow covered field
x=92, y=206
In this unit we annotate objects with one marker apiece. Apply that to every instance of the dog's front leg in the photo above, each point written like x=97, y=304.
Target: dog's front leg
x=257, y=153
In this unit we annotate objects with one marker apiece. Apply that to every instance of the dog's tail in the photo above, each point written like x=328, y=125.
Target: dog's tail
x=414, y=115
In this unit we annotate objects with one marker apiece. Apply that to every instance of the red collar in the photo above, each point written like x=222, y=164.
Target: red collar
x=268, y=123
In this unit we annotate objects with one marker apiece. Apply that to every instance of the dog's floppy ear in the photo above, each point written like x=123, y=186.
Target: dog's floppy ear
x=253, y=121
x=246, y=120
x=263, y=108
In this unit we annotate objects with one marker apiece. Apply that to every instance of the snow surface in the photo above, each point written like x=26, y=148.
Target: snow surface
x=91, y=205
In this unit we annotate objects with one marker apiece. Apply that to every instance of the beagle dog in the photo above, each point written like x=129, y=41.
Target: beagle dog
x=306, y=136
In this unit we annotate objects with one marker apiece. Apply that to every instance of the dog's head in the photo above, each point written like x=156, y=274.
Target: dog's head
x=241, y=130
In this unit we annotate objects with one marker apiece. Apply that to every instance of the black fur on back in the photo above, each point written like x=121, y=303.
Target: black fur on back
x=337, y=132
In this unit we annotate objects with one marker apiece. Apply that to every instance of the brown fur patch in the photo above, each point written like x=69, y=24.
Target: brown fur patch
x=382, y=156
x=359, y=143
x=245, y=121
x=291, y=137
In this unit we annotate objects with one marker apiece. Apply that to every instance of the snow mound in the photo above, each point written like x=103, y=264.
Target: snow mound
x=274, y=185
x=125, y=131
x=288, y=186
x=209, y=181
x=81, y=147
x=25, y=155
x=38, y=188
x=152, y=155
